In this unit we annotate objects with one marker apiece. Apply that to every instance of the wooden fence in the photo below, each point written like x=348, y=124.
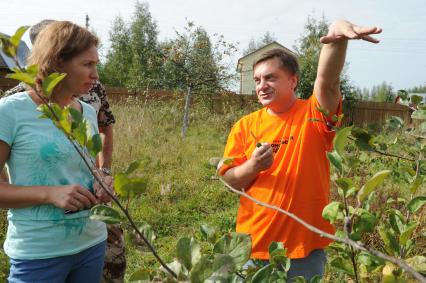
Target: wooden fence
x=360, y=113
x=368, y=112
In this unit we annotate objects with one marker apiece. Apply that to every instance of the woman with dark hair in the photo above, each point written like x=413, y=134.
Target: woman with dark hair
x=47, y=176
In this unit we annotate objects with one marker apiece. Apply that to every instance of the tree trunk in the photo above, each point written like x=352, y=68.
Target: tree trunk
x=186, y=112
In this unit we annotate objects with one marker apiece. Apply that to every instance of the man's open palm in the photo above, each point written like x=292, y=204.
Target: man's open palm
x=343, y=29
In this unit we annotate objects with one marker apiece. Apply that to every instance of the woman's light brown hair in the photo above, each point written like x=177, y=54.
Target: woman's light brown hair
x=59, y=41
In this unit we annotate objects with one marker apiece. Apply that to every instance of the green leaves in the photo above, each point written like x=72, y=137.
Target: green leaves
x=365, y=221
x=217, y=268
x=133, y=167
x=419, y=115
x=105, y=213
x=277, y=255
x=342, y=265
x=416, y=203
x=336, y=160
x=323, y=111
x=341, y=140
x=23, y=76
x=236, y=245
x=10, y=45
x=263, y=274
x=50, y=82
x=389, y=239
x=94, y=145
x=363, y=139
x=140, y=276
x=16, y=38
x=333, y=211
x=188, y=252
x=372, y=184
x=126, y=186
x=418, y=263
x=395, y=123
x=208, y=233
x=346, y=185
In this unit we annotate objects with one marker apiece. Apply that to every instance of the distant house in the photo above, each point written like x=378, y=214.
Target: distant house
x=7, y=63
x=245, y=67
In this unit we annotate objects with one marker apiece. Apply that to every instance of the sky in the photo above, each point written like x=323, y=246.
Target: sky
x=399, y=59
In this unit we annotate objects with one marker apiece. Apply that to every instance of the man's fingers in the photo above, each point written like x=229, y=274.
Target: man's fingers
x=261, y=150
x=371, y=39
x=366, y=30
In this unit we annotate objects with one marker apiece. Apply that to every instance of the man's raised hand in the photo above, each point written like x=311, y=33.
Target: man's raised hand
x=342, y=29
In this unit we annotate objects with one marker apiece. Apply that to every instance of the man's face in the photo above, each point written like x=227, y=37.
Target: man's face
x=274, y=85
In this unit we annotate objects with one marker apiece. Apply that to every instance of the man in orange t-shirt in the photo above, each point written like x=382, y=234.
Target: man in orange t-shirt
x=289, y=169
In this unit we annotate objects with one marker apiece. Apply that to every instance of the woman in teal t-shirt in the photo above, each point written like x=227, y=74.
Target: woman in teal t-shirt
x=47, y=176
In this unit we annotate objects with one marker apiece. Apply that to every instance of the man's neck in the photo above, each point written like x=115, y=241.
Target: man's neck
x=282, y=108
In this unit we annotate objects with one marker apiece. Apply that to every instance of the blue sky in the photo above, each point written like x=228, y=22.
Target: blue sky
x=400, y=58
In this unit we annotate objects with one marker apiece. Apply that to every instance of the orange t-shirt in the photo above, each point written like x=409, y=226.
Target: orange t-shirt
x=298, y=181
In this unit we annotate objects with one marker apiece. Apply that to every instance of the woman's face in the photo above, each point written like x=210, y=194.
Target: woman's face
x=81, y=72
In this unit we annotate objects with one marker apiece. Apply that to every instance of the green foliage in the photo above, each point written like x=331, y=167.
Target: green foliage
x=105, y=213
x=193, y=59
x=133, y=60
x=50, y=82
x=394, y=222
x=382, y=93
x=372, y=184
x=333, y=211
x=236, y=245
x=10, y=45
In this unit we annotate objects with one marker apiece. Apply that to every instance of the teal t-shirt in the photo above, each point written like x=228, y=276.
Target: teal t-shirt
x=41, y=155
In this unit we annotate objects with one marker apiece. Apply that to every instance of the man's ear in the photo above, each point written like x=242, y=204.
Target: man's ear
x=294, y=80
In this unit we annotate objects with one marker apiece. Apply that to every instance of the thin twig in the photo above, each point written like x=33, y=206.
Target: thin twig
x=356, y=245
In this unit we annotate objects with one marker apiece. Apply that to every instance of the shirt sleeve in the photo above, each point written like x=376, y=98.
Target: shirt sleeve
x=7, y=122
x=105, y=116
x=234, y=148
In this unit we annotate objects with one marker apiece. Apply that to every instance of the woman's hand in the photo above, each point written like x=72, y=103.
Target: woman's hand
x=71, y=197
x=100, y=193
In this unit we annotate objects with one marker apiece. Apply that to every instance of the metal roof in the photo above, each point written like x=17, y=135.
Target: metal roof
x=7, y=62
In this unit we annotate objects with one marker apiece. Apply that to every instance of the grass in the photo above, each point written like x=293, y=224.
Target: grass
x=181, y=194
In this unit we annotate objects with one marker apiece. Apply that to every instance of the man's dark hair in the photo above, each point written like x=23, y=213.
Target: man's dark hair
x=287, y=59
x=35, y=29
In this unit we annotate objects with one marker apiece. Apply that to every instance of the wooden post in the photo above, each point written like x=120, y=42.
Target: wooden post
x=186, y=111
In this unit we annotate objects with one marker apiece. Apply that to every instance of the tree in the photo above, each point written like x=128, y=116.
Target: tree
x=146, y=63
x=192, y=62
x=254, y=45
x=418, y=89
x=382, y=93
x=133, y=60
x=118, y=59
x=308, y=49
